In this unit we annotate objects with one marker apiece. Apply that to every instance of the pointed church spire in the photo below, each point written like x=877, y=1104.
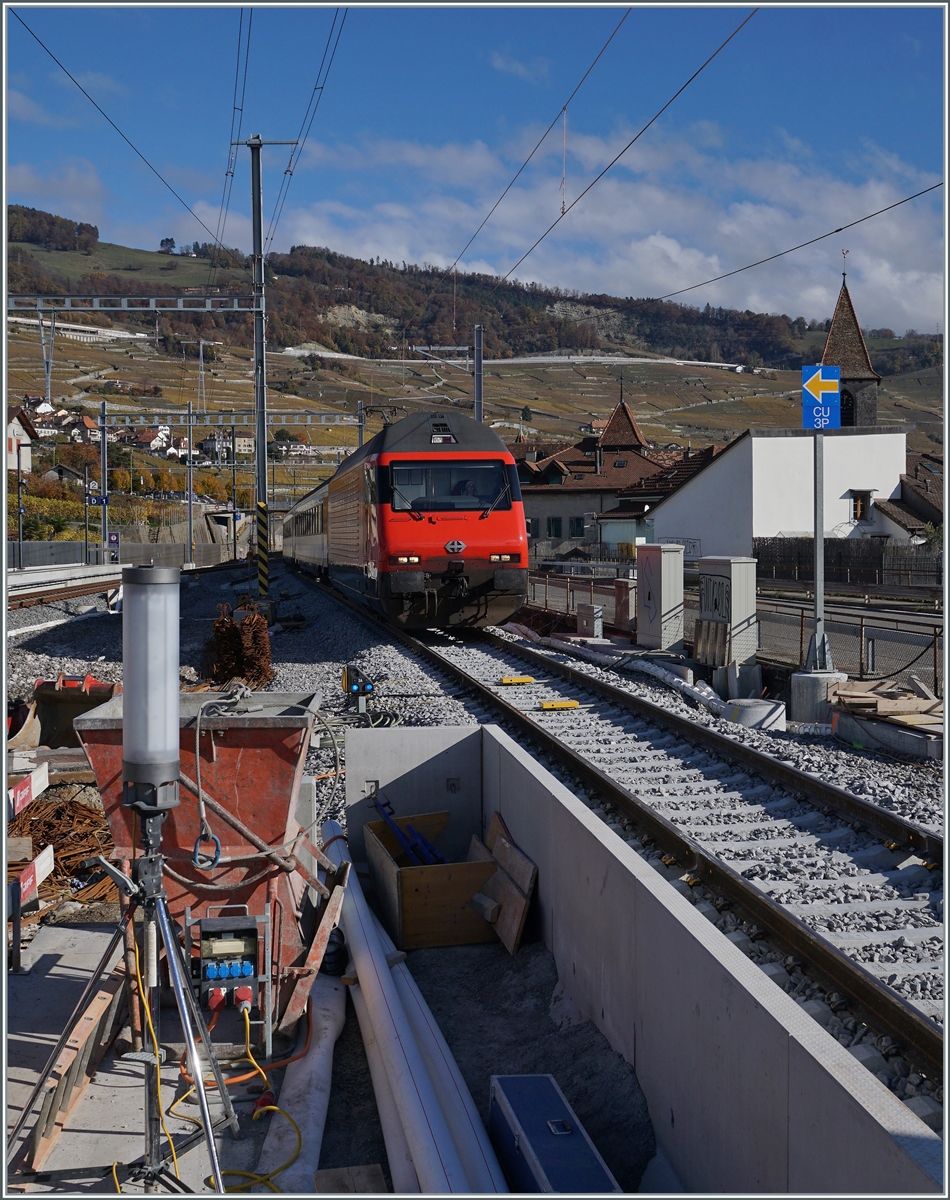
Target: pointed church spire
x=622, y=431
x=845, y=346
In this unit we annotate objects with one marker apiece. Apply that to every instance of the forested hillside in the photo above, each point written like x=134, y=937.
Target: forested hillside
x=376, y=309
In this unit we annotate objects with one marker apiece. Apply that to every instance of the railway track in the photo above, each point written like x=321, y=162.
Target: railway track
x=52, y=593
x=852, y=892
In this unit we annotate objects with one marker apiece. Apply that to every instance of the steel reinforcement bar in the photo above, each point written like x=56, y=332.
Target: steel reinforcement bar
x=875, y=1004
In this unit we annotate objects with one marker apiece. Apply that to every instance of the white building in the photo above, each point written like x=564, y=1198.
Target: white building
x=762, y=486
x=20, y=433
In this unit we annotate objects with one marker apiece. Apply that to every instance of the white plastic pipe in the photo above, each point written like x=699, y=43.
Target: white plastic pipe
x=401, y=1170
x=438, y=1166
x=471, y=1138
x=305, y=1093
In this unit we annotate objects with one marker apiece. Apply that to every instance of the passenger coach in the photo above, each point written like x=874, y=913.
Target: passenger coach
x=424, y=524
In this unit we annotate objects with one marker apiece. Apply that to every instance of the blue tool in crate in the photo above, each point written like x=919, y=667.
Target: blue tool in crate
x=540, y=1143
x=417, y=846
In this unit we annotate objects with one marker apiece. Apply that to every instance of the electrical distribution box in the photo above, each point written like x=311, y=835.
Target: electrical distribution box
x=540, y=1143
x=228, y=954
x=660, y=597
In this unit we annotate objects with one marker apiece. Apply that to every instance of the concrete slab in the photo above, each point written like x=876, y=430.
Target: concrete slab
x=107, y=1123
x=882, y=735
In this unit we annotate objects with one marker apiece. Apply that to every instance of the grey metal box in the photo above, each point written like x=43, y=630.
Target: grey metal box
x=660, y=597
x=540, y=1143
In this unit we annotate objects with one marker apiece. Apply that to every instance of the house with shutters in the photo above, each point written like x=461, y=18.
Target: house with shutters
x=21, y=433
x=566, y=489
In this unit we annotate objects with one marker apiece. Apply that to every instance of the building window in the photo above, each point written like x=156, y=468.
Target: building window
x=534, y=526
x=860, y=506
x=554, y=527
x=847, y=409
x=621, y=462
x=578, y=476
x=577, y=527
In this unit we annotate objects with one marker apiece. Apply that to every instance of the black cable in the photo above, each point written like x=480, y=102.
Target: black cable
x=305, y=126
x=802, y=245
x=234, y=137
x=617, y=158
x=439, y=282
x=129, y=143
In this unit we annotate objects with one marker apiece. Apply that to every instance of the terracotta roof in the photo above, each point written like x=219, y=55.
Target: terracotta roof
x=666, y=481
x=622, y=429
x=900, y=514
x=21, y=415
x=845, y=347
x=578, y=472
x=521, y=449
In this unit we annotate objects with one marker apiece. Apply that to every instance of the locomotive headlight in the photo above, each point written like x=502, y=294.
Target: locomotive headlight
x=502, y=557
x=402, y=560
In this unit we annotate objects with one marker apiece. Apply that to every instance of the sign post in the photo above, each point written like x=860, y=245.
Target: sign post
x=821, y=410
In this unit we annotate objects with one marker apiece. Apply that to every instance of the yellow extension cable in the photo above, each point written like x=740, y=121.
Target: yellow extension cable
x=251, y=1177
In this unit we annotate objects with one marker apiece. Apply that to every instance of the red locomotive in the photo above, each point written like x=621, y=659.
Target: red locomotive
x=423, y=524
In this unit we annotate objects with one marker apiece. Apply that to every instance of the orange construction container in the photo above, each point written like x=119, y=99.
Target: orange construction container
x=251, y=765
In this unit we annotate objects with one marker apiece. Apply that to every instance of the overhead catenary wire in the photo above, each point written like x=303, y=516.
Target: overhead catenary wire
x=237, y=120
x=155, y=171
x=597, y=178
x=306, y=124
x=802, y=245
x=514, y=179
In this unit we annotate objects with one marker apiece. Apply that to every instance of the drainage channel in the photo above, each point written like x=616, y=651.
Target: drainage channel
x=681, y=755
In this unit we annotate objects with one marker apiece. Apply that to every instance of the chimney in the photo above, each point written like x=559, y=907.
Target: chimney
x=531, y=456
x=599, y=459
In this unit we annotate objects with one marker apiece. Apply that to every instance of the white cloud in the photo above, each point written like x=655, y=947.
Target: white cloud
x=20, y=106
x=73, y=190
x=93, y=81
x=531, y=72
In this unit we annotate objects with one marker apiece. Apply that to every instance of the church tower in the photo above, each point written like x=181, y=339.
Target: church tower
x=845, y=348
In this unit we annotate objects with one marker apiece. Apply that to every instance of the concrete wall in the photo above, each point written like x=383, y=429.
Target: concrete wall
x=432, y=769
x=746, y=1093
x=715, y=507
x=784, y=473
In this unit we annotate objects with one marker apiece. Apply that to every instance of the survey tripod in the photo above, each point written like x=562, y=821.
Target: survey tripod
x=144, y=890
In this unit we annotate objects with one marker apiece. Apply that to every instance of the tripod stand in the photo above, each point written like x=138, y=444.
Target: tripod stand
x=145, y=890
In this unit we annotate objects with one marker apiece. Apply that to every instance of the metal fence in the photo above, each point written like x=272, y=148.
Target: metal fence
x=66, y=554
x=49, y=554
x=864, y=647
x=172, y=554
x=869, y=561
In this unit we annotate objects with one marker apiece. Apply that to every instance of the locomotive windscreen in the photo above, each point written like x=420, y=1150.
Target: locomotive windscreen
x=452, y=486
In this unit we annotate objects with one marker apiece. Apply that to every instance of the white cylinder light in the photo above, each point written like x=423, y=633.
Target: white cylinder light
x=150, y=686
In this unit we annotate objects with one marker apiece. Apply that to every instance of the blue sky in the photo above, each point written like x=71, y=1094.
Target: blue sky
x=810, y=117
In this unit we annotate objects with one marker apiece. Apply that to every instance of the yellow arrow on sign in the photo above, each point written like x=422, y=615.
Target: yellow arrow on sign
x=817, y=386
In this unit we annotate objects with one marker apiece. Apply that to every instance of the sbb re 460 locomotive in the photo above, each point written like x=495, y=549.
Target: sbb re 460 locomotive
x=424, y=524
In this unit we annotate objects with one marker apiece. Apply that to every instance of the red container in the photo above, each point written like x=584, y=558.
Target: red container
x=251, y=763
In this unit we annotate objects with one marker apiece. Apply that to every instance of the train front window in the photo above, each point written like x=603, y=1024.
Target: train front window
x=449, y=487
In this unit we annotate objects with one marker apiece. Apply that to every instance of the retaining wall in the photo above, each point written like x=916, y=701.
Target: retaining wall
x=746, y=1092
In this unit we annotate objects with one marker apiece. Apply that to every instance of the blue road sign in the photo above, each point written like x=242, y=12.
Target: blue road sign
x=821, y=397
x=98, y=500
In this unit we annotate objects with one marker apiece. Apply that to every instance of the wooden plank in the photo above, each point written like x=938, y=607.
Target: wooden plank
x=385, y=876
x=435, y=904
x=513, y=904
x=518, y=866
x=346, y=1180
x=19, y=849
x=25, y=790
x=311, y=964
x=496, y=827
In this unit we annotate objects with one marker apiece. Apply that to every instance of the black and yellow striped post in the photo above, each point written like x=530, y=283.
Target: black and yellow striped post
x=263, y=575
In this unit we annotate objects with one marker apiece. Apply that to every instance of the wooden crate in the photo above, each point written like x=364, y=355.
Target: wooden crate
x=425, y=906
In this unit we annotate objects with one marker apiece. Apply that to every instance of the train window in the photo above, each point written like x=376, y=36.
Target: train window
x=451, y=486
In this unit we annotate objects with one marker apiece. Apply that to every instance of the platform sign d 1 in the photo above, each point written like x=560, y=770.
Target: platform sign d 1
x=821, y=397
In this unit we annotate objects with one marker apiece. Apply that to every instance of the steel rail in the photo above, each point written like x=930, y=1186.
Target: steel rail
x=53, y=593
x=823, y=795
x=871, y=1001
